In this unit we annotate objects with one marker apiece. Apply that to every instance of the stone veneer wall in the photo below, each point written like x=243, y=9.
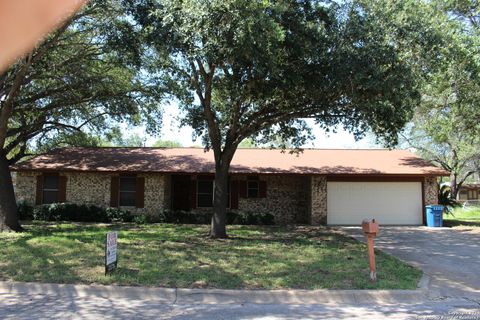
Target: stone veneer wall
x=430, y=190
x=155, y=200
x=88, y=188
x=94, y=188
x=287, y=198
x=318, y=195
x=25, y=187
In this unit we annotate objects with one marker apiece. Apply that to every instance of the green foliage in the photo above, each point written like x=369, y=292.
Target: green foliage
x=72, y=212
x=445, y=199
x=72, y=139
x=250, y=218
x=133, y=140
x=167, y=144
x=462, y=217
x=185, y=217
x=140, y=219
x=24, y=211
x=247, y=143
x=86, y=76
x=233, y=217
x=92, y=213
x=77, y=84
x=446, y=129
x=258, y=67
x=467, y=12
x=118, y=215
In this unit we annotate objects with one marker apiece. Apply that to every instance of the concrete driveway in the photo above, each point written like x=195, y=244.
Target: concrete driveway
x=449, y=256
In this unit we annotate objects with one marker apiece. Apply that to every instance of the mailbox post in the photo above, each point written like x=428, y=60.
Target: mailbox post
x=370, y=229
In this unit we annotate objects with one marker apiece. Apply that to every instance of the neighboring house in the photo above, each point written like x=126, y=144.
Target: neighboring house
x=468, y=192
x=317, y=186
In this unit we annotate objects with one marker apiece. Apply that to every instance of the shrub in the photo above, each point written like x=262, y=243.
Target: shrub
x=24, y=211
x=187, y=217
x=118, y=215
x=70, y=212
x=140, y=219
x=445, y=200
x=250, y=218
x=80, y=213
x=156, y=218
x=92, y=213
x=233, y=217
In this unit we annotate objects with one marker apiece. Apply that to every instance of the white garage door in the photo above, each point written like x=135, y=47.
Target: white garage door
x=348, y=203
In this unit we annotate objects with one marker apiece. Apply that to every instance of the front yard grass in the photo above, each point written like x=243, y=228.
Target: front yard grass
x=167, y=255
x=462, y=217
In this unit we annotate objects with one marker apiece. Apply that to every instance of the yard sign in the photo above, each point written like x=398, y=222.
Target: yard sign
x=111, y=252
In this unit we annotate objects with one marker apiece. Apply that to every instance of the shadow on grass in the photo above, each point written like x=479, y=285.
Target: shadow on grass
x=30, y=262
x=258, y=257
x=458, y=222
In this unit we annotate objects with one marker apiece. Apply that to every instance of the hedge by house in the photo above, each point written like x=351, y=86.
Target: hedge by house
x=92, y=213
x=73, y=212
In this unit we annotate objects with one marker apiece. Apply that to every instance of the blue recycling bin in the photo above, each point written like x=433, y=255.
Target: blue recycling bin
x=434, y=215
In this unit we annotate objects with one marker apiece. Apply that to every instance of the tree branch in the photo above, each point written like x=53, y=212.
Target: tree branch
x=7, y=106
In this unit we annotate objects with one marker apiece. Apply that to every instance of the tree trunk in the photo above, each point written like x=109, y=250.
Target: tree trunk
x=453, y=186
x=8, y=207
x=219, y=218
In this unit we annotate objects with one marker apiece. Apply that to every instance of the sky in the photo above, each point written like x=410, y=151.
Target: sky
x=171, y=131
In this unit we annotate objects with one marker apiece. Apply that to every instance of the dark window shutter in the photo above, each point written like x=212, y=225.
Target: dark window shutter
x=114, y=185
x=140, y=192
x=262, y=189
x=193, y=194
x=62, y=189
x=234, y=195
x=39, y=195
x=242, y=188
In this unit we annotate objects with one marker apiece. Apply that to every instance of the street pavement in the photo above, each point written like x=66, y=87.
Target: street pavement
x=52, y=307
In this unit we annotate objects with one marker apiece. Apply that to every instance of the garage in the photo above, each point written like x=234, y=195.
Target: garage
x=390, y=203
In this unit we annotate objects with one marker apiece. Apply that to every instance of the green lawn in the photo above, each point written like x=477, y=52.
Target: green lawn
x=183, y=256
x=461, y=217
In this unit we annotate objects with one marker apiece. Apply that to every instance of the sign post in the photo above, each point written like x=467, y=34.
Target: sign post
x=111, y=252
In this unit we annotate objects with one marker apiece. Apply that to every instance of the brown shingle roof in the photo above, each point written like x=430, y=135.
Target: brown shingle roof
x=470, y=186
x=196, y=160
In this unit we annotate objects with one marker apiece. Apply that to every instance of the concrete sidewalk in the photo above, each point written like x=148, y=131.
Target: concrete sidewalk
x=217, y=296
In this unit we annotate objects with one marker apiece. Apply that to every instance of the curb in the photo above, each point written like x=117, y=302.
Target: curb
x=166, y=295
x=220, y=296
x=205, y=296
x=424, y=282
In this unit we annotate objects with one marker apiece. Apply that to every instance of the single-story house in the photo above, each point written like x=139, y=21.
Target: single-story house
x=469, y=192
x=316, y=186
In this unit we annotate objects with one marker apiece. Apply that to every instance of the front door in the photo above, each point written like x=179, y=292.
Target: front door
x=181, y=193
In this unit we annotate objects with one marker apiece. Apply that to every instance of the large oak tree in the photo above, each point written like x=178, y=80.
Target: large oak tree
x=446, y=126
x=84, y=76
x=243, y=68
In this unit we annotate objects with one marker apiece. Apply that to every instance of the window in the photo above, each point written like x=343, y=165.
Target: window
x=50, y=189
x=252, y=188
x=472, y=194
x=205, y=193
x=463, y=195
x=127, y=191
